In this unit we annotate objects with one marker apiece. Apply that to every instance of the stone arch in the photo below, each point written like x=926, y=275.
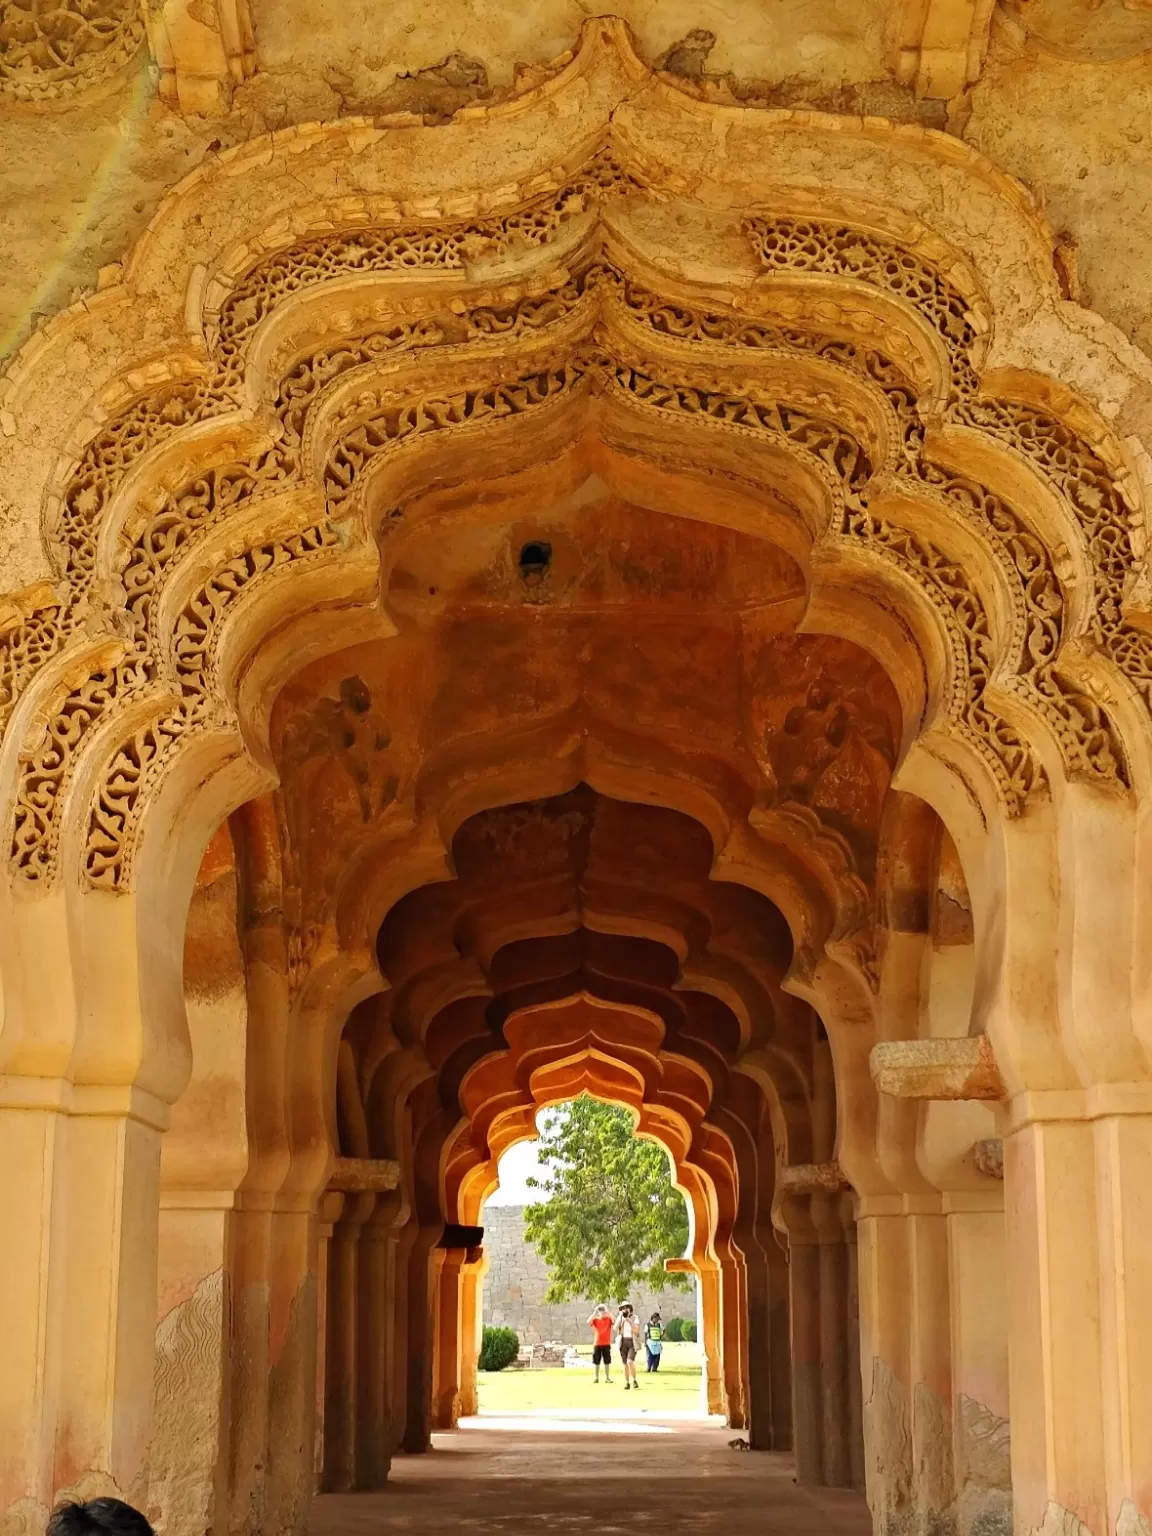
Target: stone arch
x=281, y=380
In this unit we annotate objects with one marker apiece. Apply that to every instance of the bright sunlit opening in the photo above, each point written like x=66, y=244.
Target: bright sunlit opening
x=544, y=1424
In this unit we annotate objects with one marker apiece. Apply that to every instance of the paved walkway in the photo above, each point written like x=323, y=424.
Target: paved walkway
x=578, y=1475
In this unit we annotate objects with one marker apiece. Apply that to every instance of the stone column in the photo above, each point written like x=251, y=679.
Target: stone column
x=979, y=1294
x=780, y=1326
x=377, y=1301
x=884, y=1361
x=341, y=1353
x=855, y=1384
x=930, y=1361
x=708, y=1332
x=449, y=1337
x=761, y=1428
x=804, y=1308
x=204, y=1159
x=733, y=1333
x=471, y=1329
x=423, y=1267
x=79, y=1187
x=1079, y=1258
x=331, y=1205
x=191, y=1412
x=833, y=1281
x=89, y=1064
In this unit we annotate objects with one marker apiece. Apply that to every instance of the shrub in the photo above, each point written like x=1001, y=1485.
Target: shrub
x=498, y=1348
x=689, y=1334
x=674, y=1330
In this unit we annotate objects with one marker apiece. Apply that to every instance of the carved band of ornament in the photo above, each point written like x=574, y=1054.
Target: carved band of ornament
x=355, y=1175
x=1070, y=465
x=141, y=762
x=838, y=250
x=959, y=1068
x=52, y=48
x=1080, y=725
x=447, y=247
x=828, y=1178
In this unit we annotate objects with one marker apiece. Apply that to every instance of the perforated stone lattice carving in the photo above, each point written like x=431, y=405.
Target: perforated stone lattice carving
x=53, y=47
x=154, y=539
x=447, y=247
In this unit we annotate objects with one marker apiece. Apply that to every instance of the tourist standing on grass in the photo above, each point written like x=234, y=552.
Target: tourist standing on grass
x=628, y=1331
x=601, y=1325
x=653, y=1341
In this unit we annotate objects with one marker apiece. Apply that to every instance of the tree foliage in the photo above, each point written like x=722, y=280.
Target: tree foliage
x=612, y=1215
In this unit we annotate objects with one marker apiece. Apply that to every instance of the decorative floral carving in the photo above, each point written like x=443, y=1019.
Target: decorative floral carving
x=52, y=47
x=558, y=327
x=445, y=247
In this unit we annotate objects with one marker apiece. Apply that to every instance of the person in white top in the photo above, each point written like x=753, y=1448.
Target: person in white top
x=627, y=1332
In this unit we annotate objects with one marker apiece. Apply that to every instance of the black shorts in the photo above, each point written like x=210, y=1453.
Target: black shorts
x=601, y=1354
x=627, y=1349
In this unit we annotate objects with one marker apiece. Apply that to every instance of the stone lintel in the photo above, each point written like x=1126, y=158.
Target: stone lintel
x=679, y=1267
x=826, y=1177
x=456, y=1237
x=959, y=1068
x=361, y=1175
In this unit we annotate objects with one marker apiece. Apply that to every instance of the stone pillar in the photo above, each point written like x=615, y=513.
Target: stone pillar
x=291, y=1324
x=981, y=1445
x=761, y=1405
x=1067, y=1012
x=423, y=1289
x=884, y=1362
x=449, y=1338
x=804, y=1306
x=405, y=1243
x=191, y=1412
x=204, y=1159
x=1079, y=1258
x=708, y=1332
x=374, y=1442
x=79, y=1187
x=331, y=1205
x=930, y=1362
x=833, y=1303
x=780, y=1333
x=337, y=1348
x=855, y=1384
x=471, y=1331
x=733, y=1334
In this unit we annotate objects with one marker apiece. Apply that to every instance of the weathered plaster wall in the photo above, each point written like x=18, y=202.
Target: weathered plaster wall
x=1079, y=131
x=81, y=178
x=518, y=1277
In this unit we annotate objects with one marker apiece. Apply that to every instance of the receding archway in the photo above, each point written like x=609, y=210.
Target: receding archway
x=294, y=415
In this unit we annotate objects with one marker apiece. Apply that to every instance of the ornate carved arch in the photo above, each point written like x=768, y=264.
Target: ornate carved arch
x=337, y=355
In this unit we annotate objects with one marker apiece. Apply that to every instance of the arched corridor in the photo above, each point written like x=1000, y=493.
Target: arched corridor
x=615, y=590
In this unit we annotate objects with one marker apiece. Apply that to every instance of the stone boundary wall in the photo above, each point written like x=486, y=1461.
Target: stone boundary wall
x=518, y=1277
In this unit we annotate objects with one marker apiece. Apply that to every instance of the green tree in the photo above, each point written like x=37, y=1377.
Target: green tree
x=612, y=1215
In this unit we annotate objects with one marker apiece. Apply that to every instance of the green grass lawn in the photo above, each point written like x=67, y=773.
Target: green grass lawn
x=675, y=1388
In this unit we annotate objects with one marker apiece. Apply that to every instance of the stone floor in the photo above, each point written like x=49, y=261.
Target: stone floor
x=564, y=1476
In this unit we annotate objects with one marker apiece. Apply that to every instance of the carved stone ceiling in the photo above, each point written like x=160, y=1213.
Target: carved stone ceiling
x=664, y=646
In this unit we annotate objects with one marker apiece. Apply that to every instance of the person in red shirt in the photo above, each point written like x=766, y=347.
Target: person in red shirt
x=601, y=1325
